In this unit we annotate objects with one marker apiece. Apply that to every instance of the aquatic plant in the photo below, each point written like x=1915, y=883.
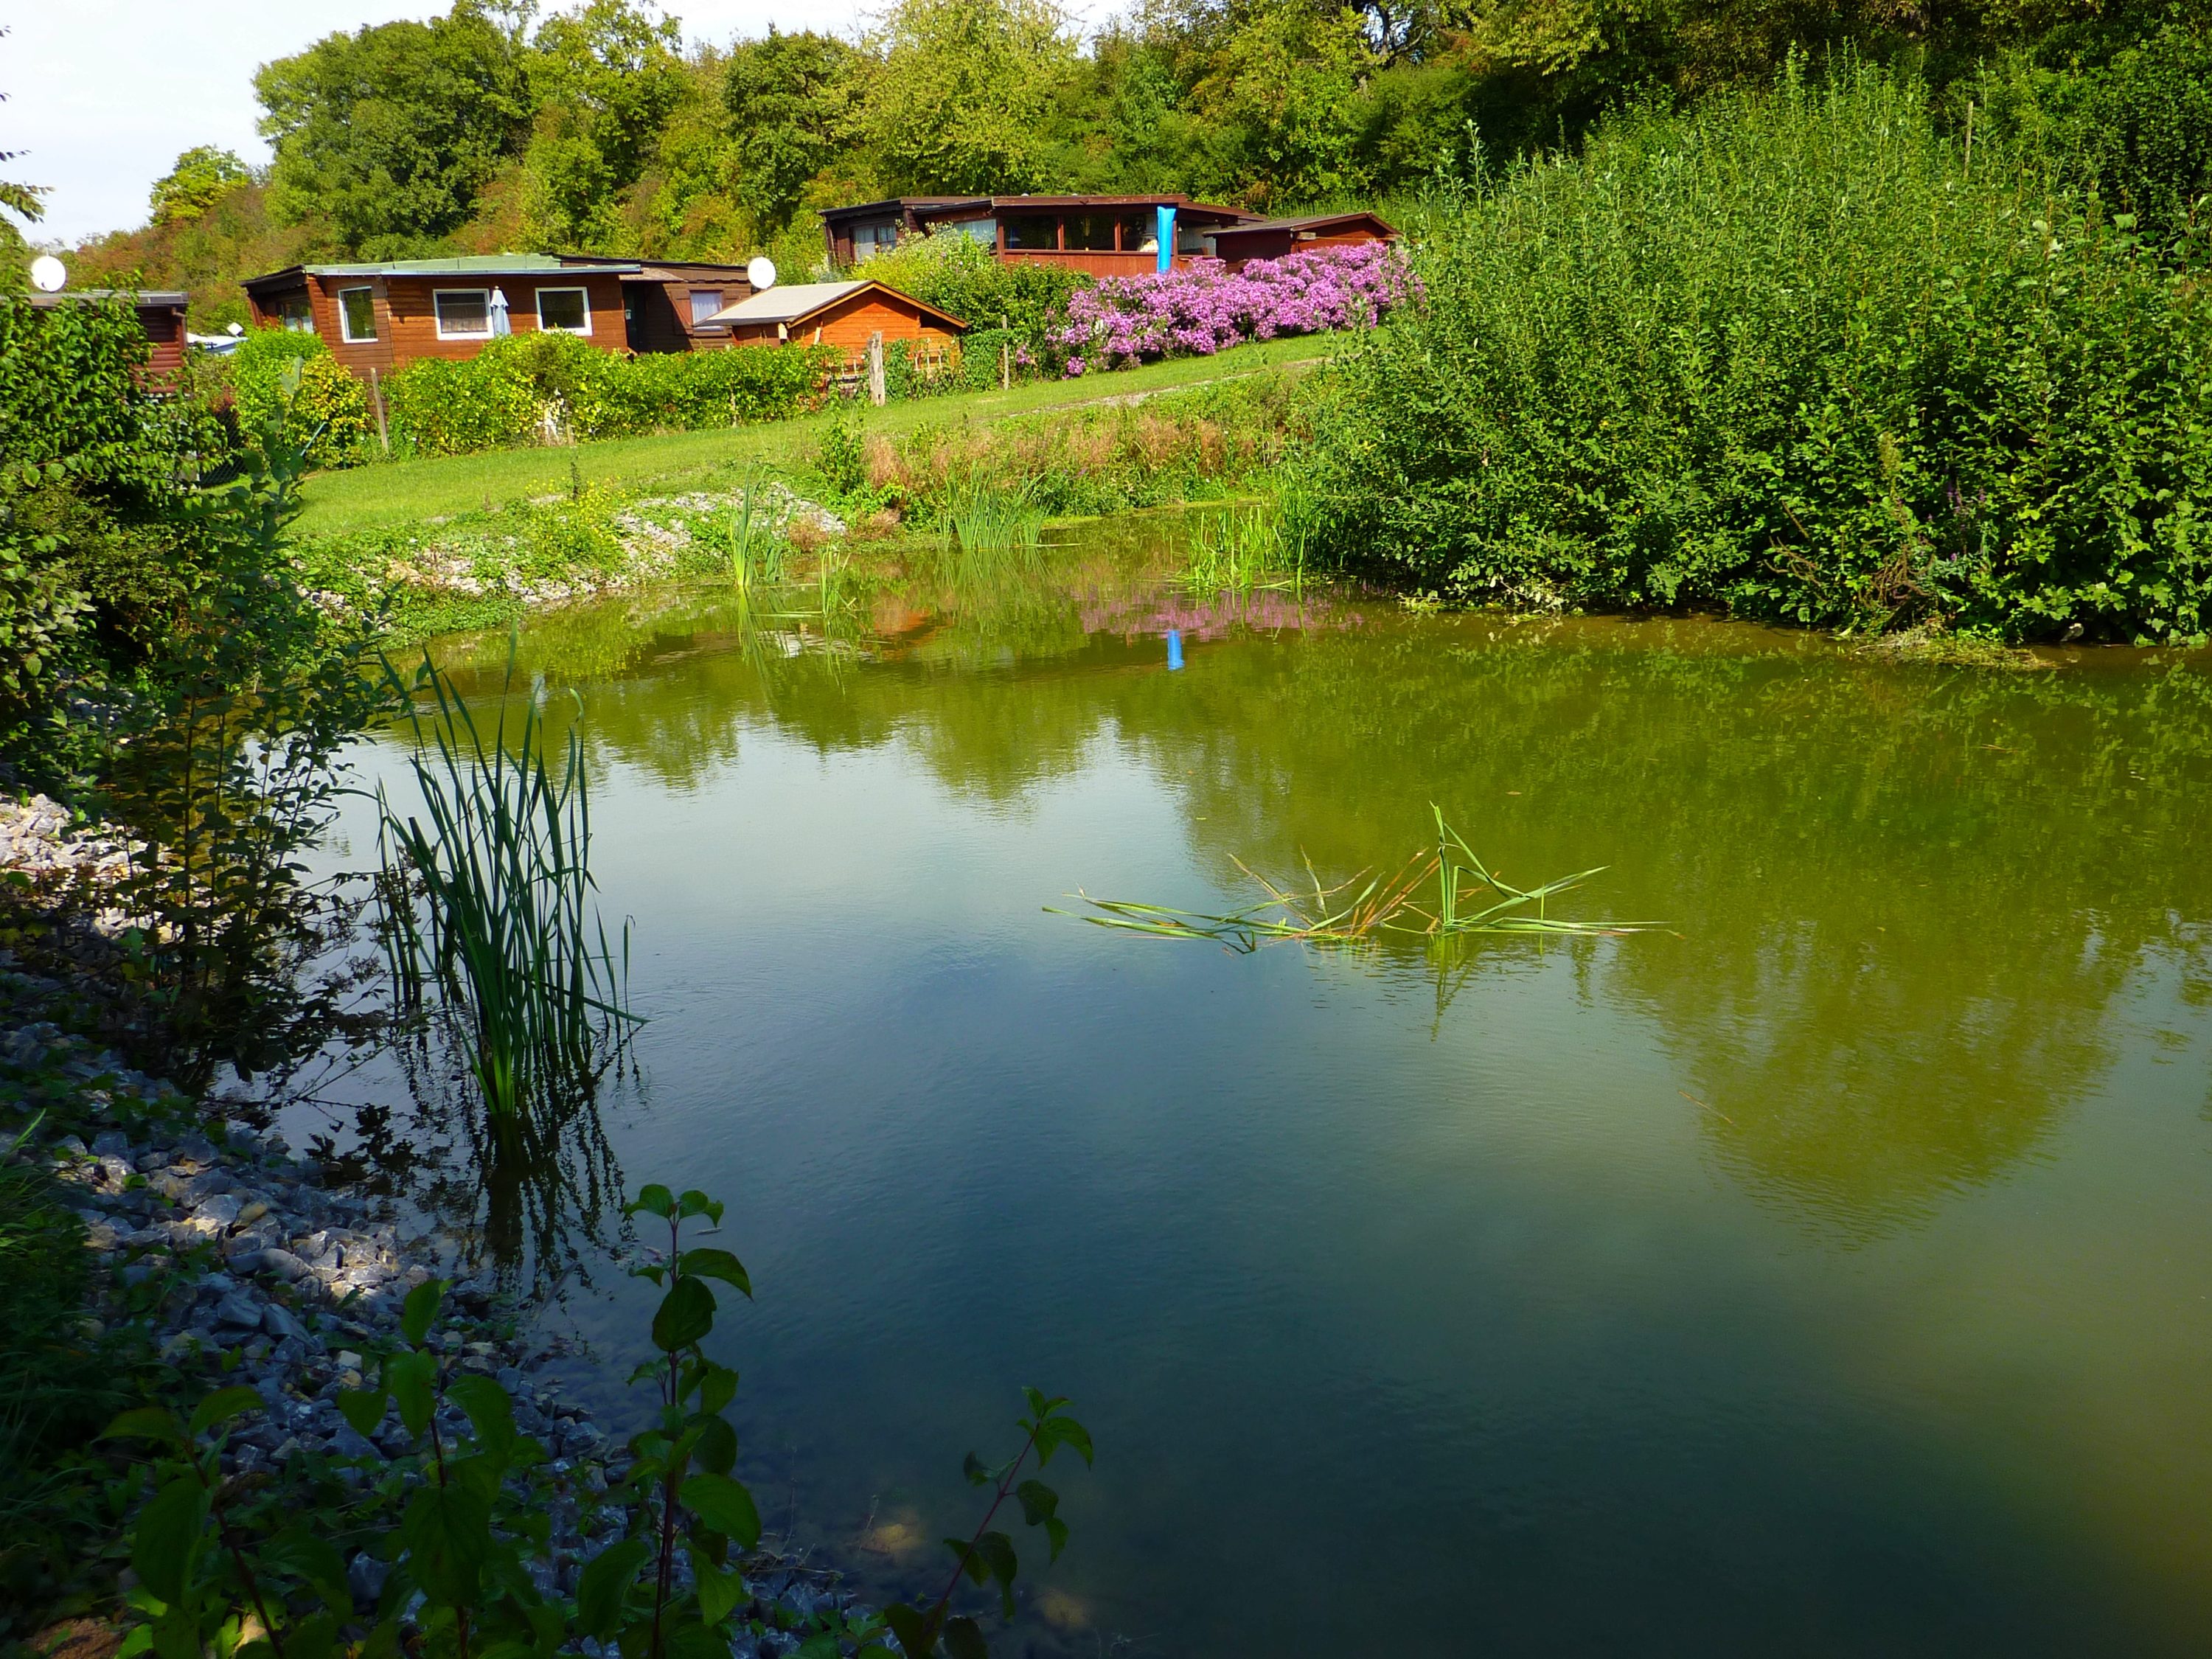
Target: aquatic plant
x=1470, y=899
x=505, y=933
x=977, y=518
x=1243, y=550
x=755, y=550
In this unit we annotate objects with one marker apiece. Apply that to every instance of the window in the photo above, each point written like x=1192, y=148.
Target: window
x=1033, y=231
x=870, y=240
x=295, y=314
x=1091, y=232
x=705, y=302
x=1139, y=232
x=985, y=231
x=564, y=310
x=464, y=313
x=356, y=314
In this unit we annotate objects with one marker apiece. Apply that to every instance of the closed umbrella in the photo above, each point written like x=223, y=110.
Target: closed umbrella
x=499, y=323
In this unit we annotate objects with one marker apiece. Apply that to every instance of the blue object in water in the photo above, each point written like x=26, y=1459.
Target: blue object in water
x=1175, y=648
x=1165, y=228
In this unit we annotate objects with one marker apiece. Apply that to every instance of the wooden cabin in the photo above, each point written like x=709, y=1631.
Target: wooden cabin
x=160, y=314
x=841, y=315
x=1099, y=235
x=385, y=316
x=1271, y=238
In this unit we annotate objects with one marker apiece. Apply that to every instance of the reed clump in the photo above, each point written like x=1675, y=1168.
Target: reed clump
x=1247, y=550
x=1465, y=898
x=487, y=896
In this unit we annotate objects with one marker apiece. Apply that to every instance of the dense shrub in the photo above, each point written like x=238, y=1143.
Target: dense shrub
x=1205, y=307
x=281, y=376
x=1778, y=356
x=534, y=387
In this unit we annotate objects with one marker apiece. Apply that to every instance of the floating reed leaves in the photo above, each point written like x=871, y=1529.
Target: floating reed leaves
x=488, y=903
x=1469, y=898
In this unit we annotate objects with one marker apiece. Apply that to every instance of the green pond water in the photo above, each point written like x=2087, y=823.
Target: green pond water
x=1831, y=1274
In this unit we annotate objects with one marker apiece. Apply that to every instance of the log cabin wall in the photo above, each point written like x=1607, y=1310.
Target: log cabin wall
x=846, y=323
x=406, y=321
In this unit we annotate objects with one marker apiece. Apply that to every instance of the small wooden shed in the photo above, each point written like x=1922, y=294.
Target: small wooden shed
x=842, y=314
x=160, y=314
x=1271, y=238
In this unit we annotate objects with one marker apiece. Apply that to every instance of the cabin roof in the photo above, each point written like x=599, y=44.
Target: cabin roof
x=801, y=300
x=1313, y=222
x=472, y=265
x=933, y=207
x=146, y=299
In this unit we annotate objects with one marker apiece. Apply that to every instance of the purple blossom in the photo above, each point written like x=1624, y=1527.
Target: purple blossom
x=1201, y=308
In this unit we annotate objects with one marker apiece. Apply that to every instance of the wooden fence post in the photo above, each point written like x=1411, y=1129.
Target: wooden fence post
x=876, y=369
x=376, y=398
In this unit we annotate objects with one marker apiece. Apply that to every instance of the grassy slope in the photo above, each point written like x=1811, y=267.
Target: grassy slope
x=409, y=492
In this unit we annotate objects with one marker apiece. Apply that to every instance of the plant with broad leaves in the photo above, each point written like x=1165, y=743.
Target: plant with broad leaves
x=678, y=1487
x=462, y=1535
x=988, y=1557
x=205, y=1583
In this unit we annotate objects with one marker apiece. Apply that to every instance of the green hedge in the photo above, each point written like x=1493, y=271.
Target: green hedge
x=281, y=376
x=517, y=389
x=1780, y=355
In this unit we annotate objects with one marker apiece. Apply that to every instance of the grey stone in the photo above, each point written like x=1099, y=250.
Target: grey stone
x=222, y=1209
x=112, y=1143
x=280, y=1323
x=348, y=1443
x=240, y=1310
x=281, y=1264
x=365, y=1576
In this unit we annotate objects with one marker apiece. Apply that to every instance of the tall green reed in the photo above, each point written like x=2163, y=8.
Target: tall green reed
x=978, y=518
x=1246, y=550
x=487, y=899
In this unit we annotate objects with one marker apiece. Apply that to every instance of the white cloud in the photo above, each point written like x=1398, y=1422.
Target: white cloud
x=103, y=94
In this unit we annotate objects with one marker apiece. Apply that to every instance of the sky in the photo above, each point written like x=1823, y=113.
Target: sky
x=103, y=94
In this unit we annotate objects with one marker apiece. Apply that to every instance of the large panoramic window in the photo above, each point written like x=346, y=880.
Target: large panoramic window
x=564, y=310
x=1091, y=232
x=357, y=313
x=1139, y=232
x=464, y=313
x=1032, y=231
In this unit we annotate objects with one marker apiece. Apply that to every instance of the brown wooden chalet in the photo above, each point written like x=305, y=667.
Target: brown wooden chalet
x=160, y=314
x=1101, y=235
x=844, y=314
x=1271, y=238
x=386, y=315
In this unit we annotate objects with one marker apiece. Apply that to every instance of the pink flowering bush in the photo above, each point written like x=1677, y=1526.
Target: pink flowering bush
x=1201, y=308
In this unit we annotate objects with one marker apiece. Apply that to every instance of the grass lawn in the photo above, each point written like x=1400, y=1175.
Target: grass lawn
x=409, y=492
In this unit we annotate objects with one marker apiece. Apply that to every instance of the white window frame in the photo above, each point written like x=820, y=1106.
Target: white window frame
x=437, y=317
x=345, y=328
x=581, y=293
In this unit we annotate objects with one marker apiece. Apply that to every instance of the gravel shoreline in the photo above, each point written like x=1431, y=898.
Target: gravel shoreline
x=278, y=1281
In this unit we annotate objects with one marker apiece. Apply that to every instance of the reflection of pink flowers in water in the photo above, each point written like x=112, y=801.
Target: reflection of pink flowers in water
x=1151, y=615
x=1201, y=308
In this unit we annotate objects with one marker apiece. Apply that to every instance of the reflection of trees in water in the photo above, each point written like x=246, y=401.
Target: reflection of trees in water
x=533, y=1195
x=1910, y=897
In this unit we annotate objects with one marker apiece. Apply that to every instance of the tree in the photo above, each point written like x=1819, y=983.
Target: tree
x=966, y=93
x=1280, y=96
x=21, y=200
x=201, y=178
x=790, y=101
x=385, y=137
x=603, y=82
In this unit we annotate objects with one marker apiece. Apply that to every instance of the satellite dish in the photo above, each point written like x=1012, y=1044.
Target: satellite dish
x=48, y=274
x=761, y=273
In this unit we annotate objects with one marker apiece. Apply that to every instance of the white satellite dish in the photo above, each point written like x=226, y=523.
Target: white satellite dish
x=48, y=274
x=761, y=273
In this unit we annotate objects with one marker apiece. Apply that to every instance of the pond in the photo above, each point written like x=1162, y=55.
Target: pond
x=1826, y=1273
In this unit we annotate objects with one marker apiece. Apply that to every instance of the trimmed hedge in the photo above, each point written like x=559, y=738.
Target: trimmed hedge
x=538, y=388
